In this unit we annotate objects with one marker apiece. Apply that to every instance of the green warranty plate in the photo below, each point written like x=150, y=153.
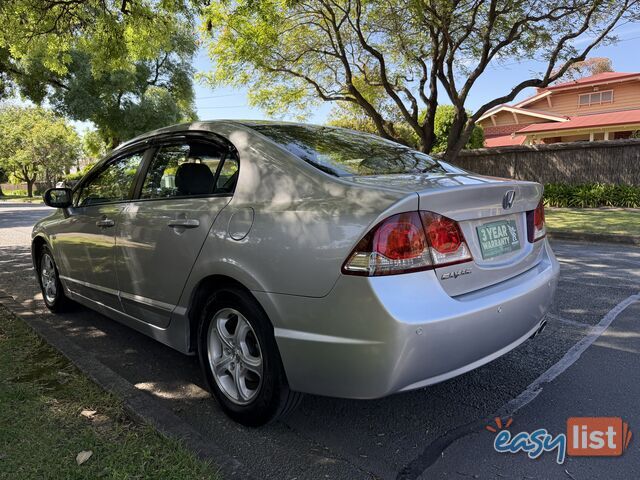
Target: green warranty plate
x=498, y=238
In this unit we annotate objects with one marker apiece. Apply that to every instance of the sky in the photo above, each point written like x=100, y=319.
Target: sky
x=227, y=103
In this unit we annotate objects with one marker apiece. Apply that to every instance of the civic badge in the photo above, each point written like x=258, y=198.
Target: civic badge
x=507, y=200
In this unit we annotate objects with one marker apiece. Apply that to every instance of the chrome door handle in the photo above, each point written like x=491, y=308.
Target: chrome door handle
x=184, y=223
x=105, y=223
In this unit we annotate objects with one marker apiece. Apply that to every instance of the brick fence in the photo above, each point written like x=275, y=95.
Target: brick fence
x=613, y=162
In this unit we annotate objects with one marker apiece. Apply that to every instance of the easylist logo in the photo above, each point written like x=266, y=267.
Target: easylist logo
x=585, y=437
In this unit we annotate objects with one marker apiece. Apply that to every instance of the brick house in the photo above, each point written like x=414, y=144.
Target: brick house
x=601, y=107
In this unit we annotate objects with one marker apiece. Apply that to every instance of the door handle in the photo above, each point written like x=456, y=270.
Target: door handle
x=184, y=223
x=105, y=223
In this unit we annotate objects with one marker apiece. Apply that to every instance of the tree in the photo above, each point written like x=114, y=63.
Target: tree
x=3, y=178
x=36, y=144
x=124, y=65
x=125, y=102
x=295, y=54
x=442, y=123
x=350, y=117
x=590, y=66
x=93, y=146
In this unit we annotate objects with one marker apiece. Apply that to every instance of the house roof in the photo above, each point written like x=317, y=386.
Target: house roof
x=586, y=121
x=533, y=98
x=600, y=78
x=594, y=79
x=523, y=111
x=504, y=140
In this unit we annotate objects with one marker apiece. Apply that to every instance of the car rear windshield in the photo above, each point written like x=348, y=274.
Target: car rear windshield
x=343, y=152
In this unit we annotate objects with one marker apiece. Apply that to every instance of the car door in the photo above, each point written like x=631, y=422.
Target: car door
x=185, y=186
x=85, y=241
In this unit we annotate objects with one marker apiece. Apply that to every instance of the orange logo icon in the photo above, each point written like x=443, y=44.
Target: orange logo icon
x=597, y=436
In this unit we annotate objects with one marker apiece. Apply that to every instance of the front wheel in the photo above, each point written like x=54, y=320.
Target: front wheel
x=240, y=359
x=52, y=291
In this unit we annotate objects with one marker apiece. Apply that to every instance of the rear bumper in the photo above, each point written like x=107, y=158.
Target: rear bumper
x=371, y=337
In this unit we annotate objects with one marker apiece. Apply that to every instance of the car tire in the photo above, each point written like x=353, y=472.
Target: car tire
x=52, y=290
x=240, y=360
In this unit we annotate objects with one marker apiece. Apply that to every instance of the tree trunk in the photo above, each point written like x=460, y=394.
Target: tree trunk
x=427, y=135
x=459, y=135
x=30, y=187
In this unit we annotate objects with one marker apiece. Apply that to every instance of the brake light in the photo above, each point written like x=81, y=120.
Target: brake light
x=408, y=242
x=536, y=224
x=446, y=240
x=396, y=245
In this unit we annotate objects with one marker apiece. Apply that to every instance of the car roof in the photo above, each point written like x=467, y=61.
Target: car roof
x=204, y=125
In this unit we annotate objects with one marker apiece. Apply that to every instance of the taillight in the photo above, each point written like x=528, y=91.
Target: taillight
x=396, y=245
x=408, y=242
x=446, y=240
x=536, y=225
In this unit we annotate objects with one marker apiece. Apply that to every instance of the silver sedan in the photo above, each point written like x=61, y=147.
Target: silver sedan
x=296, y=258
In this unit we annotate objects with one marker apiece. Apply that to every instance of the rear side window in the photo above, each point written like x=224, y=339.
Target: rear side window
x=188, y=169
x=111, y=184
x=343, y=152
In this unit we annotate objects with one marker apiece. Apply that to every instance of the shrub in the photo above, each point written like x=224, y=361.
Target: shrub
x=77, y=176
x=591, y=195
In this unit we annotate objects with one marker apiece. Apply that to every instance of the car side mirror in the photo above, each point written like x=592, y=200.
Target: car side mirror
x=57, y=197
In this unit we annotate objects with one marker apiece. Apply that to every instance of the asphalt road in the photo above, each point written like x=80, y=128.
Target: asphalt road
x=405, y=435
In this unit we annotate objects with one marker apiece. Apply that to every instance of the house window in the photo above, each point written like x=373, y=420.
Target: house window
x=595, y=98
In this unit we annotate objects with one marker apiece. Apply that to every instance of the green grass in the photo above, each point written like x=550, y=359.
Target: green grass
x=21, y=198
x=607, y=220
x=42, y=430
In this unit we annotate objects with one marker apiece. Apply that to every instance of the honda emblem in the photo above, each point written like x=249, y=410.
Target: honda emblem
x=507, y=200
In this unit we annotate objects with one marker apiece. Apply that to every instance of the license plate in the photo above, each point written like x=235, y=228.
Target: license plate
x=498, y=238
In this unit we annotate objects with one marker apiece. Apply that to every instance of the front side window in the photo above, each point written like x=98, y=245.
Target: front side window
x=112, y=184
x=343, y=152
x=185, y=170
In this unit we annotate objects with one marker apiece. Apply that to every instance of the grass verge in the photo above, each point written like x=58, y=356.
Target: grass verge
x=21, y=199
x=50, y=412
x=592, y=220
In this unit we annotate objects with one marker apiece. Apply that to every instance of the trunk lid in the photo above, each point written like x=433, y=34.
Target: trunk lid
x=476, y=203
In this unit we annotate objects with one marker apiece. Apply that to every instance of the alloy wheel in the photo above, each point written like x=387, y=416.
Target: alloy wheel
x=48, y=278
x=235, y=356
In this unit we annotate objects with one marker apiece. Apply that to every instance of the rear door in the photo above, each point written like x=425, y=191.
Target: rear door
x=187, y=182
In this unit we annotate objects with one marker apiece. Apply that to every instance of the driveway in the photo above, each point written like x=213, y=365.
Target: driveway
x=402, y=436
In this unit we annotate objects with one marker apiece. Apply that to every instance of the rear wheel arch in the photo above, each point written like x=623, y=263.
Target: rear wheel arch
x=271, y=398
x=201, y=294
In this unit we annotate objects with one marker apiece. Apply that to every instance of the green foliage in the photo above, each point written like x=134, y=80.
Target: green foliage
x=76, y=176
x=390, y=60
x=123, y=65
x=16, y=193
x=93, y=145
x=36, y=144
x=592, y=195
x=442, y=127
x=355, y=119
x=352, y=117
x=294, y=55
